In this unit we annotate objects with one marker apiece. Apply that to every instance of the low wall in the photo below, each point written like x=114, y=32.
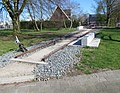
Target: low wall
x=87, y=39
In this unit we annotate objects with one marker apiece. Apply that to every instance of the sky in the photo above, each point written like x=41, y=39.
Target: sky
x=86, y=5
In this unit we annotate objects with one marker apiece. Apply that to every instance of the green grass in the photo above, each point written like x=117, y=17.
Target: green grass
x=28, y=37
x=6, y=46
x=105, y=57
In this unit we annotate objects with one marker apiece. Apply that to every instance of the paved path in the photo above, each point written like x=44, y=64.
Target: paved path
x=16, y=72
x=104, y=82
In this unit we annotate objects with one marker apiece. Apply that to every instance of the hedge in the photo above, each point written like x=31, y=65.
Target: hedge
x=47, y=24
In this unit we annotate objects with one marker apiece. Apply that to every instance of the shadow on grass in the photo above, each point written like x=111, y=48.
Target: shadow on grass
x=111, y=40
x=107, y=37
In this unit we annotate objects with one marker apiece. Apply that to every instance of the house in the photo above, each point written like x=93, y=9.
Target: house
x=97, y=20
x=6, y=25
x=60, y=15
x=2, y=25
x=92, y=19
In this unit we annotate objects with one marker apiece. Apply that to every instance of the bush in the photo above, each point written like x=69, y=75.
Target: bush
x=52, y=24
x=26, y=25
x=47, y=24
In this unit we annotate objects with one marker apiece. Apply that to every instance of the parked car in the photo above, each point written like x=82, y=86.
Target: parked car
x=118, y=25
x=93, y=26
x=1, y=26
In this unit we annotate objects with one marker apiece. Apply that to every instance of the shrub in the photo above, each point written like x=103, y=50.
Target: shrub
x=48, y=24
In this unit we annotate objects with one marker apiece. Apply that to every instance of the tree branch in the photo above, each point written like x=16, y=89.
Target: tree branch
x=8, y=6
x=22, y=7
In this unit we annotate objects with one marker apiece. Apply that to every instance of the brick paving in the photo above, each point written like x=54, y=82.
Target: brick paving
x=103, y=82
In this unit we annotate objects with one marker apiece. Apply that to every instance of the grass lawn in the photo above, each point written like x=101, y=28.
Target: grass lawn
x=105, y=57
x=28, y=37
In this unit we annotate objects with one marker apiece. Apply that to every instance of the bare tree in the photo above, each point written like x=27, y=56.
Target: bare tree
x=41, y=13
x=31, y=11
x=108, y=7
x=44, y=8
x=74, y=8
x=15, y=8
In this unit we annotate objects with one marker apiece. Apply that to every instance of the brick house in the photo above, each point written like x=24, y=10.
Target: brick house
x=60, y=15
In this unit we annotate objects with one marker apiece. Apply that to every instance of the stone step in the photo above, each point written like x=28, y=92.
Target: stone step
x=87, y=39
x=94, y=43
x=9, y=80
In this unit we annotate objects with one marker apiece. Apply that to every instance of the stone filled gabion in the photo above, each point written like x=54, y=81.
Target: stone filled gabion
x=58, y=63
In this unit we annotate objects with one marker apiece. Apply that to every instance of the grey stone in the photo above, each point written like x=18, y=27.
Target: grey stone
x=5, y=58
x=58, y=63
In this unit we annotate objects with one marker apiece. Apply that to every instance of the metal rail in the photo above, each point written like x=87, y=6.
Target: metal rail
x=32, y=50
x=69, y=35
x=74, y=38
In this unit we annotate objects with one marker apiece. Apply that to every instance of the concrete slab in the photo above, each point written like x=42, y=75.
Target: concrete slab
x=16, y=72
x=27, y=61
x=17, y=69
x=94, y=43
x=17, y=79
x=80, y=28
x=87, y=40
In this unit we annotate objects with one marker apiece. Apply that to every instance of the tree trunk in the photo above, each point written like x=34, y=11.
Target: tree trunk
x=108, y=12
x=14, y=8
x=64, y=23
x=33, y=18
x=36, y=26
x=41, y=26
x=71, y=23
x=16, y=25
x=107, y=19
